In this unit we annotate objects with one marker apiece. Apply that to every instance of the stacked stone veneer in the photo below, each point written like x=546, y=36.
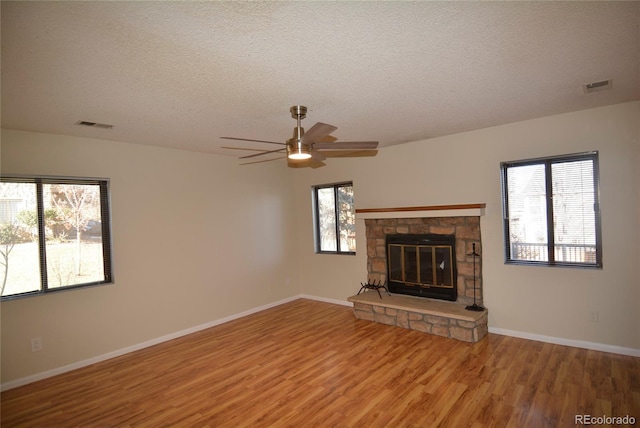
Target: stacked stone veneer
x=470, y=327
x=466, y=230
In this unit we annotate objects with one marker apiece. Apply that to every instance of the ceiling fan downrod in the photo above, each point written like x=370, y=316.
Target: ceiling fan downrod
x=298, y=113
x=296, y=149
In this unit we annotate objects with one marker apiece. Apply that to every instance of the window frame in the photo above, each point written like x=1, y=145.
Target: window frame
x=105, y=233
x=316, y=217
x=548, y=194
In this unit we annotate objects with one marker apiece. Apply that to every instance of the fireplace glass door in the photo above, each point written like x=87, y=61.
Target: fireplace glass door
x=421, y=265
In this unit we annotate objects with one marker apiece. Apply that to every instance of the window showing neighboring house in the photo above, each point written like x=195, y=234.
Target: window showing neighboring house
x=334, y=218
x=551, y=212
x=54, y=234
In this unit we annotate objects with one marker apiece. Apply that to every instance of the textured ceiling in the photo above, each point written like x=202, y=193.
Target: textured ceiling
x=182, y=74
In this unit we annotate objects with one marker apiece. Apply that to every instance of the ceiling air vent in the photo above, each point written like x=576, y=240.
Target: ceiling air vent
x=597, y=86
x=94, y=124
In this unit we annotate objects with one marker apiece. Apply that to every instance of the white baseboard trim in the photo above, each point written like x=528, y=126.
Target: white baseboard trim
x=324, y=299
x=602, y=347
x=84, y=363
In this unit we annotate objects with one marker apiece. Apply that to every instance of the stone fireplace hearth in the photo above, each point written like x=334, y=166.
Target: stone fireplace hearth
x=441, y=317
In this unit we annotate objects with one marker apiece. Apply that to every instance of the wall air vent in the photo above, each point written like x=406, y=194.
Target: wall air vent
x=597, y=86
x=94, y=124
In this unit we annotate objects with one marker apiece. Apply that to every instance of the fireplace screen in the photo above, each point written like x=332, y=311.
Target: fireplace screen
x=422, y=265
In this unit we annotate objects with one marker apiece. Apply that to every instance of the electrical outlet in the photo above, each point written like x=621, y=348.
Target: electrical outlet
x=593, y=316
x=36, y=344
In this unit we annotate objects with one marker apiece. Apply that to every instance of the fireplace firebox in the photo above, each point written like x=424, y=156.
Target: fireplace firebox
x=422, y=265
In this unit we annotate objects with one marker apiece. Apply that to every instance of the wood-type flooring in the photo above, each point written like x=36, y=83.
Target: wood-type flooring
x=313, y=364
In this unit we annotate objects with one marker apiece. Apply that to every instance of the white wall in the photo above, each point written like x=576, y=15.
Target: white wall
x=196, y=238
x=465, y=168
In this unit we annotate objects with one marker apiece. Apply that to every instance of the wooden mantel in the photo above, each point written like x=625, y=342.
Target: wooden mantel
x=423, y=211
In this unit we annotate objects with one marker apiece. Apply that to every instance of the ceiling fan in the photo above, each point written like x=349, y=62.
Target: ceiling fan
x=309, y=148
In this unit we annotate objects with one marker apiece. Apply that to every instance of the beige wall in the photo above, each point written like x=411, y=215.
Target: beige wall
x=196, y=238
x=465, y=168
x=204, y=271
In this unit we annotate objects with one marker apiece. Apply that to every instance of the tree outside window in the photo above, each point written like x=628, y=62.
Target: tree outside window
x=54, y=234
x=334, y=218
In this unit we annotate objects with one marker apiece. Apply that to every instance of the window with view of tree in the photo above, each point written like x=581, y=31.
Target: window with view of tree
x=54, y=234
x=551, y=211
x=335, y=218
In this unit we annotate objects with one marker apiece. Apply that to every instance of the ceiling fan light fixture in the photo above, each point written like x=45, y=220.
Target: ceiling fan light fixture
x=296, y=150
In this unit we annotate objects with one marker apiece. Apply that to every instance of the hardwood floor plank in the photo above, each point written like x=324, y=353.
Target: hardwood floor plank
x=308, y=364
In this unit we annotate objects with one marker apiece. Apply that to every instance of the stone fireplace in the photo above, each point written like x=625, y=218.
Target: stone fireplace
x=464, y=230
x=425, y=256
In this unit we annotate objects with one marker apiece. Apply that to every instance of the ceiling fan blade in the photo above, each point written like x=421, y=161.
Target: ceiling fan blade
x=317, y=156
x=255, y=141
x=260, y=154
x=306, y=163
x=267, y=160
x=317, y=132
x=349, y=153
x=242, y=148
x=346, y=145
x=327, y=139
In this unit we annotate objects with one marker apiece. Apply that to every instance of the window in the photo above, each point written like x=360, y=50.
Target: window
x=335, y=218
x=54, y=234
x=551, y=211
